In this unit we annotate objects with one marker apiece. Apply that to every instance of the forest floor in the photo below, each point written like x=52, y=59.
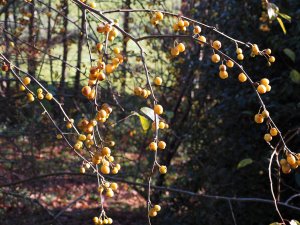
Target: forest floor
x=68, y=202
x=62, y=199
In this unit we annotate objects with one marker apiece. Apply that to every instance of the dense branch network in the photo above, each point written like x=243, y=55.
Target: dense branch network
x=89, y=145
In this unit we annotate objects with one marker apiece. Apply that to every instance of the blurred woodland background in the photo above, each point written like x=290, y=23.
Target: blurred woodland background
x=211, y=120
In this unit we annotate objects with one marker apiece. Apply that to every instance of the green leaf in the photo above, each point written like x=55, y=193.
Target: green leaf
x=281, y=25
x=144, y=122
x=275, y=223
x=244, y=162
x=295, y=76
x=285, y=16
x=290, y=53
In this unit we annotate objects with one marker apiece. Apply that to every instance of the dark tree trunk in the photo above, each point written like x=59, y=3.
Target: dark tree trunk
x=49, y=36
x=31, y=63
x=65, y=52
x=79, y=55
x=126, y=28
x=5, y=85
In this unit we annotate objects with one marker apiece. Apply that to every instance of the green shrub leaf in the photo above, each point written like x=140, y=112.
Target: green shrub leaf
x=244, y=162
x=295, y=76
x=290, y=53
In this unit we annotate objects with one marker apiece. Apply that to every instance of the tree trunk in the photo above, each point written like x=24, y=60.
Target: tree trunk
x=5, y=84
x=79, y=55
x=126, y=28
x=31, y=63
x=65, y=52
x=49, y=36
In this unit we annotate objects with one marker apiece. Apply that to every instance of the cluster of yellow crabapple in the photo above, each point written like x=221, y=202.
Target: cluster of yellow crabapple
x=86, y=127
x=262, y=87
x=108, y=30
x=155, y=145
x=145, y=93
x=158, y=16
x=39, y=92
x=103, y=219
x=153, y=211
x=102, y=156
x=292, y=161
x=101, y=71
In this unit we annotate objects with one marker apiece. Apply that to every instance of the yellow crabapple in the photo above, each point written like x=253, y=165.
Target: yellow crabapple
x=39, y=91
x=161, y=125
x=22, y=88
x=59, y=136
x=261, y=89
x=223, y=74
x=217, y=45
x=114, y=186
x=163, y=169
x=239, y=51
x=158, y=109
x=186, y=23
x=268, y=137
x=152, y=212
x=99, y=47
x=222, y=67
x=255, y=49
x=181, y=47
x=86, y=90
x=109, y=193
x=174, y=51
x=229, y=63
x=215, y=58
x=40, y=96
x=105, y=169
x=117, y=50
x=264, y=81
x=265, y=113
x=105, y=151
x=96, y=220
x=291, y=159
x=268, y=51
x=157, y=208
x=93, y=5
x=30, y=97
x=242, y=77
x=286, y=169
x=153, y=146
x=162, y=145
x=202, y=39
x=49, y=96
x=240, y=57
x=272, y=59
x=273, y=131
x=197, y=30
x=258, y=118
x=180, y=23
x=159, y=15
x=82, y=170
x=26, y=81
x=158, y=81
